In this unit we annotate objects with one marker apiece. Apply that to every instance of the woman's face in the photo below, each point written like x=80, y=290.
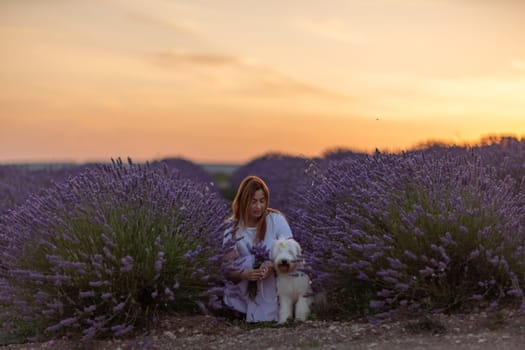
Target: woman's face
x=257, y=206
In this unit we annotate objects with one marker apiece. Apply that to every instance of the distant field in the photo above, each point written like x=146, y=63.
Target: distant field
x=214, y=168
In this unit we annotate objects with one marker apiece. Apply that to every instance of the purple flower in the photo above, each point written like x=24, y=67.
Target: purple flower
x=127, y=264
x=68, y=321
x=169, y=294
x=427, y=271
x=363, y=276
x=96, y=283
x=376, y=304
x=260, y=253
x=90, y=308
x=410, y=255
x=402, y=286
x=119, y=307
x=87, y=294
x=108, y=242
x=159, y=261
x=474, y=254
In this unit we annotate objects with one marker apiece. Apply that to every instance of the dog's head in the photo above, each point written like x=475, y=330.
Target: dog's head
x=286, y=255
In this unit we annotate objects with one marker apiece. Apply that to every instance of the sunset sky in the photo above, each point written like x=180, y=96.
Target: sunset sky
x=230, y=80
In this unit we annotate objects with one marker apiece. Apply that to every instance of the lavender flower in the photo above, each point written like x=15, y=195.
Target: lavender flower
x=127, y=264
x=19, y=182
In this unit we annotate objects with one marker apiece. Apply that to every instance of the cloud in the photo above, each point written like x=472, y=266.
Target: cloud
x=173, y=18
x=180, y=27
x=238, y=75
x=333, y=29
x=181, y=57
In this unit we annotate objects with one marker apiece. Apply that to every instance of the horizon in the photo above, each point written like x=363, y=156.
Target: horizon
x=486, y=139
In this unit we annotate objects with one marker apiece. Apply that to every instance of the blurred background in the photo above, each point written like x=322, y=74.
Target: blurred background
x=225, y=82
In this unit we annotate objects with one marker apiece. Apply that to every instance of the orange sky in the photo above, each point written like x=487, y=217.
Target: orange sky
x=226, y=81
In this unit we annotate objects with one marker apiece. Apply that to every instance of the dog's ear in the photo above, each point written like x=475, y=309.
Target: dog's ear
x=299, y=250
x=296, y=247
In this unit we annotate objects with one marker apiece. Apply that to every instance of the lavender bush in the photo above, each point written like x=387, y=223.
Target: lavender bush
x=280, y=172
x=341, y=154
x=505, y=154
x=187, y=169
x=411, y=231
x=18, y=182
x=110, y=249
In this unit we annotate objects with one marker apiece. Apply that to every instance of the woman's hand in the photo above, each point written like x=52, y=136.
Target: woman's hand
x=262, y=273
x=266, y=269
x=252, y=274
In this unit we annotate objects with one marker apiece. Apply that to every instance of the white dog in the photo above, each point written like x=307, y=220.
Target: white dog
x=293, y=286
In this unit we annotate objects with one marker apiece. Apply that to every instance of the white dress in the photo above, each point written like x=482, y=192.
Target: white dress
x=264, y=307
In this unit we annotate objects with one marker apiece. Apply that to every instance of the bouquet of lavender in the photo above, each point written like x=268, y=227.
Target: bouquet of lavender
x=261, y=254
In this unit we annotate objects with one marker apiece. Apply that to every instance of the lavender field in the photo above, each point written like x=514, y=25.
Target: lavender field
x=101, y=250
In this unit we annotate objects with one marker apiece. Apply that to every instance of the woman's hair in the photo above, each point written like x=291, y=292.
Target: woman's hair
x=241, y=205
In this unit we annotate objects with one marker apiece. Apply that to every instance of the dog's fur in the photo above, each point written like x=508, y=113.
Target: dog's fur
x=293, y=285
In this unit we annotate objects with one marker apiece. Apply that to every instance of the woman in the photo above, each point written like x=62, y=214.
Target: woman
x=254, y=228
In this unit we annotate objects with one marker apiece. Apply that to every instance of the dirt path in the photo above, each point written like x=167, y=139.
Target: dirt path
x=501, y=330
